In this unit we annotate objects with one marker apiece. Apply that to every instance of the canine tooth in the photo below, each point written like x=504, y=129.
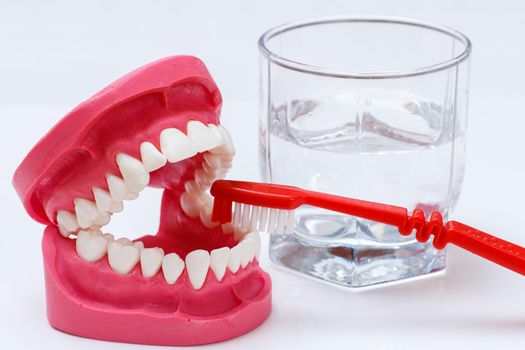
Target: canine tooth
x=151, y=261
x=117, y=187
x=102, y=199
x=213, y=160
x=86, y=212
x=234, y=259
x=67, y=221
x=122, y=258
x=172, y=267
x=247, y=248
x=175, y=145
x=139, y=245
x=256, y=241
x=102, y=219
x=197, y=264
x=202, y=178
x=190, y=205
x=219, y=261
x=152, y=158
x=133, y=172
x=202, y=137
x=91, y=245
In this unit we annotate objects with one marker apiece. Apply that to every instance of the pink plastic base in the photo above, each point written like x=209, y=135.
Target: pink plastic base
x=152, y=324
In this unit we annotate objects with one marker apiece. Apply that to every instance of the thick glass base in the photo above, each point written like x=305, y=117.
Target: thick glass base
x=353, y=253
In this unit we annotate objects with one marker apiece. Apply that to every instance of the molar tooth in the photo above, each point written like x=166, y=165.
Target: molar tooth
x=124, y=241
x=193, y=188
x=133, y=172
x=219, y=261
x=117, y=188
x=172, y=267
x=91, y=245
x=213, y=160
x=109, y=236
x=190, y=205
x=234, y=259
x=202, y=137
x=116, y=207
x=67, y=222
x=151, y=261
x=130, y=195
x=122, y=258
x=202, y=178
x=139, y=245
x=152, y=158
x=86, y=211
x=197, y=264
x=175, y=145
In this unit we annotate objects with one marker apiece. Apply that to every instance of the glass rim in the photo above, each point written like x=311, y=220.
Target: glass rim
x=330, y=72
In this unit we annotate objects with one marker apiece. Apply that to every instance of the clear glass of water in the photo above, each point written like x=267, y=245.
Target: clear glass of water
x=369, y=108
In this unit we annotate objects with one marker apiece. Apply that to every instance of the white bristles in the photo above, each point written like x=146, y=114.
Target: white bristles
x=248, y=217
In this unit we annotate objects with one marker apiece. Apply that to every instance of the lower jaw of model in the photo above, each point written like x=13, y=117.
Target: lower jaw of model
x=193, y=282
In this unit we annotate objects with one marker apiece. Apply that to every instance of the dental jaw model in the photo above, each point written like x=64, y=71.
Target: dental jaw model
x=192, y=282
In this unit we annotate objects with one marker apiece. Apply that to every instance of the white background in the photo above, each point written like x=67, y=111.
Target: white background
x=55, y=54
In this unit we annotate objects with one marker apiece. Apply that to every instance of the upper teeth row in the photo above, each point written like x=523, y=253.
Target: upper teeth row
x=175, y=146
x=123, y=256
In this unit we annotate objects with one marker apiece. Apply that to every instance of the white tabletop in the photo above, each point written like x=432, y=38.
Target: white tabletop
x=56, y=54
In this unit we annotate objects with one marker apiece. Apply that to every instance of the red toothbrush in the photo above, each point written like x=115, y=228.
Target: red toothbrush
x=269, y=207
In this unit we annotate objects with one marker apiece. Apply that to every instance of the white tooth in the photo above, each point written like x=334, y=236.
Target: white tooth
x=63, y=231
x=190, y=205
x=175, y=145
x=227, y=144
x=150, y=261
x=124, y=241
x=203, y=137
x=172, y=267
x=102, y=219
x=215, y=129
x=256, y=241
x=109, y=236
x=86, y=212
x=133, y=172
x=205, y=216
x=139, y=245
x=227, y=228
x=213, y=160
x=102, y=199
x=116, y=207
x=67, y=221
x=130, y=195
x=219, y=261
x=151, y=157
x=202, y=178
x=117, y=188
x=247, y=250
x=213, y=172
x=234, y=260
x=122, y=258
x=91, y=245
x=197, y=264
x=192, y=188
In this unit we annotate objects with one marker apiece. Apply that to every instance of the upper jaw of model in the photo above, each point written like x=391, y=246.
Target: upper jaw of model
x=193, y=281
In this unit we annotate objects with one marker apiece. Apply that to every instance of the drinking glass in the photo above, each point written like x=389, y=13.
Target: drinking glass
x=369, y=108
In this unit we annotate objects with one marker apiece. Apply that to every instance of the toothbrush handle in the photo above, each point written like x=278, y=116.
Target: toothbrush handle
x=497, y=250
